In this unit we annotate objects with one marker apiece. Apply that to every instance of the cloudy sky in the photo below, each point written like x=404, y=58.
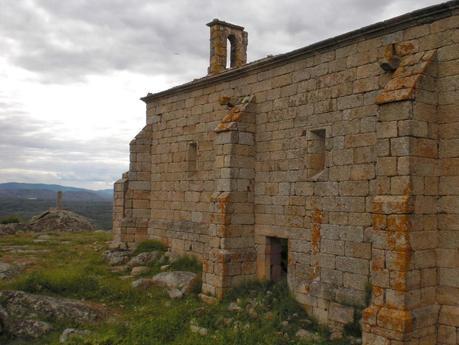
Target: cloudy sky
x=72, y=71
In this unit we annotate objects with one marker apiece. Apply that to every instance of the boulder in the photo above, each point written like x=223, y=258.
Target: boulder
x=176, y=280
x=60, y=220
x=144, y=259
x=234, y=307
x=199, y=330
x=142, y=283
x=175, y=293
x=7, y=270
x=28, y=328
x=138, y=270
x=23, y=306
x=116, y=257
x=71, y=333
x=171, y=256
x=3, y=319
x=307, y=335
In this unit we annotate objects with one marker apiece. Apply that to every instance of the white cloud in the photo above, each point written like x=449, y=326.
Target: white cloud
x=74, y=70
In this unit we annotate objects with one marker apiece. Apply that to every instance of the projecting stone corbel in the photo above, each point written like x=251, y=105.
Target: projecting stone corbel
x=402, y=85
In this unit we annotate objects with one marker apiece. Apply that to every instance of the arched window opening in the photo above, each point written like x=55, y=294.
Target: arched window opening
x=231, y=52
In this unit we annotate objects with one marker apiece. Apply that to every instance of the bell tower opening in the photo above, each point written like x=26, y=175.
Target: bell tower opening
x=228, y=46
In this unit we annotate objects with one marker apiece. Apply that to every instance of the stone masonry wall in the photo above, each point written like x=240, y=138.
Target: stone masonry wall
x=365, y=191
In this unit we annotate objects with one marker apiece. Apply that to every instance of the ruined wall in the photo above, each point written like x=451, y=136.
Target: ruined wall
x=346, y=161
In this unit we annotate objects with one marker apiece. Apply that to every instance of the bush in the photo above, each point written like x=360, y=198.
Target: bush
x=149, y=246
x=186, y=263
x=10, y=220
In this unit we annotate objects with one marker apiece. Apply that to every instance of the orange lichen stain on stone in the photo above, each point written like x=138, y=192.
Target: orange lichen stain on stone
x=224, y=100
x=427, y=149
x=233, y=116
x=395, y=96
x=377, y=291
x=369, y=315
x=398, y=240
x=396, y=320
x=317, y=217
x=230, y=119
x=399, y=83
x=379, y=221
x=377, y=263
x=404, y=48
x=223, y=201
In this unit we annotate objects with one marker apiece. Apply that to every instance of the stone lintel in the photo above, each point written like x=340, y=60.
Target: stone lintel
x=217, y=21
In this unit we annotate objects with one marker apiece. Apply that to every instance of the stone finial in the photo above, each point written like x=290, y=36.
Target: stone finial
x=220, y=34
x=59, y=200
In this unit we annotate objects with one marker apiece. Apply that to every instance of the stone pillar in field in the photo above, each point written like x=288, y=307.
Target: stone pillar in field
x=222, y=34
x=403, y=269
x=232, y=256
x=59, y=200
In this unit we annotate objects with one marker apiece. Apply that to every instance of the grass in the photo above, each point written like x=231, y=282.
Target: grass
x=73, y=267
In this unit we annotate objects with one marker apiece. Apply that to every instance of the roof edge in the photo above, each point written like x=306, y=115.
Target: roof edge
x=404, y=21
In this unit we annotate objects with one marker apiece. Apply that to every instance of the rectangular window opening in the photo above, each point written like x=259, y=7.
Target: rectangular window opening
x=192, y=155
x=315, y=163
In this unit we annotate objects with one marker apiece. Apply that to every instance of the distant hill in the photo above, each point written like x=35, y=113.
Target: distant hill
x=41, y=191
x=29, y=199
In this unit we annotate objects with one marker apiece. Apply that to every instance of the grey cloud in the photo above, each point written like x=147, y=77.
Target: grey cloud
x=64, y=41
x=30, y=153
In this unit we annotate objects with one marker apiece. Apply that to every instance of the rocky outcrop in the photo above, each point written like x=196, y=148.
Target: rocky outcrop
x=12, y=228
x=23, y=314
x=60, y=220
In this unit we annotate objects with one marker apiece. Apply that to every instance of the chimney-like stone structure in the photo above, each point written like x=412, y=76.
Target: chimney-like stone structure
x=222, y=33
x=59, y=200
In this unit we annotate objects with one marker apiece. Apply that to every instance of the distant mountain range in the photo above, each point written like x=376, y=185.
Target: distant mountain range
x=41, y=191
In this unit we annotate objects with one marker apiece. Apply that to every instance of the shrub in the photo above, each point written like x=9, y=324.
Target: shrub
x=149, y=246
x=186, y=263
x=10, y=220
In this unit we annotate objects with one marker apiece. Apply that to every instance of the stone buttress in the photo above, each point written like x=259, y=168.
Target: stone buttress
x=403, y=272
x=232, y=256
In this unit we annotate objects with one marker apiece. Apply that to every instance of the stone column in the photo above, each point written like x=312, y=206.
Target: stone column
x=59, y=200
x=232, y=256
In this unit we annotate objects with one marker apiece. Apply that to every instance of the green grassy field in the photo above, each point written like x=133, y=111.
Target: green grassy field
x=71, y=265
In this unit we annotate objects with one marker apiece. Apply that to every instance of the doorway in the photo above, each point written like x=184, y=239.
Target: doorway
x=278, y=258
